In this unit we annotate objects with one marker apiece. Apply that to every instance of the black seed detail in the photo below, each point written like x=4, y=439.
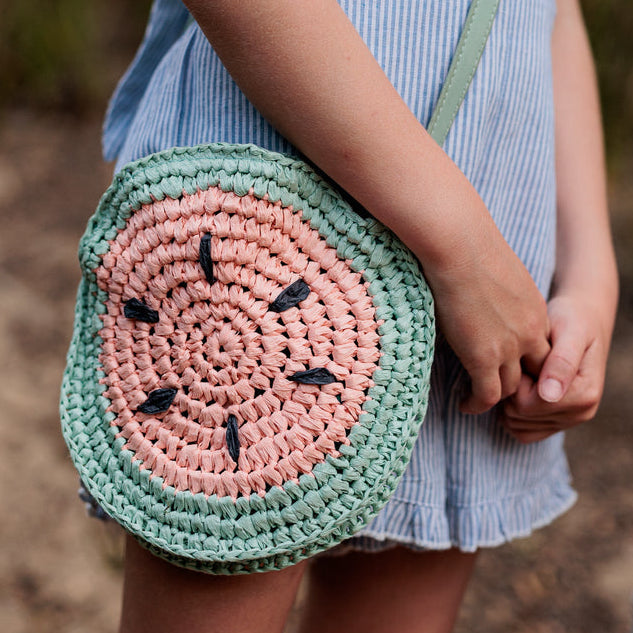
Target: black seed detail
x=290, y=296
x=315, y=376
x=232, y=439
x=158, y=401
x=205, y=257
x=135, y=309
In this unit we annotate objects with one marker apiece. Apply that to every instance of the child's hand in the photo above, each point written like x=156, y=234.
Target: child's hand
x=491, y=313
x=570, y=384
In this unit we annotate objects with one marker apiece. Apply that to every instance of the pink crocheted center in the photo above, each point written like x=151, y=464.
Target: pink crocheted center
x=222, y=348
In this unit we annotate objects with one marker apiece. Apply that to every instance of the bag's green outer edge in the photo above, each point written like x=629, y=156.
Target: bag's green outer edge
x=179, y=526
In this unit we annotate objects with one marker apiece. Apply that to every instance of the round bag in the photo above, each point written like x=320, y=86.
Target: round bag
x=250, y=361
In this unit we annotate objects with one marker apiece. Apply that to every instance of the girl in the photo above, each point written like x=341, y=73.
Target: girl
x=512, y=210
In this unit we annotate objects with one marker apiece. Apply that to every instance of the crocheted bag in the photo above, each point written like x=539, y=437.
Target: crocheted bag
x=250, y=361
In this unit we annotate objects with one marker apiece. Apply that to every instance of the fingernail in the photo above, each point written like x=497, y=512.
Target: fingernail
x=551, y=390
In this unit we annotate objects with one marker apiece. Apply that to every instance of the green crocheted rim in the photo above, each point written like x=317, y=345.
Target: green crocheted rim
x=288, y=524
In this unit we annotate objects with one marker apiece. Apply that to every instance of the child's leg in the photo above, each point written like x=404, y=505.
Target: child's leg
x=395, y=590
x=159, y=597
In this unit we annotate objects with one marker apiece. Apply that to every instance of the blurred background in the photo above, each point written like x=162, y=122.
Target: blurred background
x=59, y=571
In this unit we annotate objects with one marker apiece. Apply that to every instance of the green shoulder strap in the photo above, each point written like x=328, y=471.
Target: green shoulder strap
x=470, y=47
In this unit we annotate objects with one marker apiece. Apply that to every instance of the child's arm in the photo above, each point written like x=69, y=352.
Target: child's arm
x=582, y=310
x=306, y=69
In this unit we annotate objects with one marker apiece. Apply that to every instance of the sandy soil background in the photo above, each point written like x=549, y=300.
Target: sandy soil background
x=60, y=571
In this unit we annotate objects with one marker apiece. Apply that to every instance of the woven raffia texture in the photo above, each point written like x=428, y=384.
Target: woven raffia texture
x=250, y=362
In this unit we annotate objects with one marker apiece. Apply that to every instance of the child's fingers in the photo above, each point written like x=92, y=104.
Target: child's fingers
x=491, y=383
x=510, y=378
x=485, y=392
x=569, y=343
x=528, y=437
x=492, y=386
x=535, y=357
x=579, y=404
x=518, y=424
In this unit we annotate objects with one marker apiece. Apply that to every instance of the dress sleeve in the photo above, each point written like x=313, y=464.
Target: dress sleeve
x=167, y=21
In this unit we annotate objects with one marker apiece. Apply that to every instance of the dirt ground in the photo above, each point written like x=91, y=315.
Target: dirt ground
x=62, y=572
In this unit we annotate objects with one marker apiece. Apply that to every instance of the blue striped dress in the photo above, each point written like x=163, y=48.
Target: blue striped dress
x=469, y=484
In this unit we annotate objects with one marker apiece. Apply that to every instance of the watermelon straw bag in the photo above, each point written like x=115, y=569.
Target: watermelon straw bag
x=251, y=354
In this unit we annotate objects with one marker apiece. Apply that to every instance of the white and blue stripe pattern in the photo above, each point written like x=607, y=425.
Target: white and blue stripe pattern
x=468, y=484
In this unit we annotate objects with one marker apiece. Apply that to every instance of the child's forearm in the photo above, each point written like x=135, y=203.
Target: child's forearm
x=306, y=69
x=585, y=258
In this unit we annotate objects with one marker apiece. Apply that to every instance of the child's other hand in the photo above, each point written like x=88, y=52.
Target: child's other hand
x=570, y=384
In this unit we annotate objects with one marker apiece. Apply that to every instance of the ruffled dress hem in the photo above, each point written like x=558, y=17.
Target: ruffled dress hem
x=489, y=524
